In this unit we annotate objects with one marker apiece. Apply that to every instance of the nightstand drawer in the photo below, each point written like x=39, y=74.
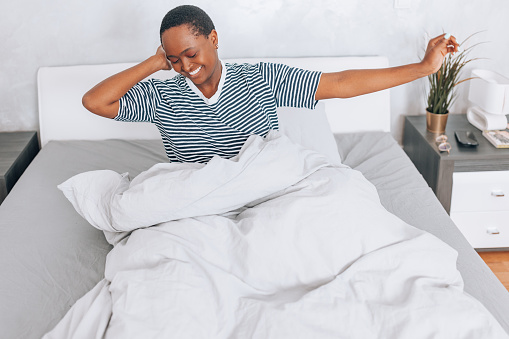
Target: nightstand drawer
x=484, y=229
x=480, y=191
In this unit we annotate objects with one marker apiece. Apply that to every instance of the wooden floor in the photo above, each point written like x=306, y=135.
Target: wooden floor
x=499, y=264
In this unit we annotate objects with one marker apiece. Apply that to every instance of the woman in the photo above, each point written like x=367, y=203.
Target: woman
x=210, y=108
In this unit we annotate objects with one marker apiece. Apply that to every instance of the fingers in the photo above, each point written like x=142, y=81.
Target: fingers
x=444, y=37
x=446, y=42
x=435, y=40
x=454, y=44
x=160, y=53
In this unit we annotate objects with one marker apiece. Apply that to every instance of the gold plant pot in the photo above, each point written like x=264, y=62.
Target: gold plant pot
x=435, y=123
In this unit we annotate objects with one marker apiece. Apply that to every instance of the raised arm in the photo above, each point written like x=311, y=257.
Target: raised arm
x=351, y=83
x=103, y=98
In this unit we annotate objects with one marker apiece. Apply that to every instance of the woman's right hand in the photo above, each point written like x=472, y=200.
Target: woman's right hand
x=103, y=98
x=161, y=54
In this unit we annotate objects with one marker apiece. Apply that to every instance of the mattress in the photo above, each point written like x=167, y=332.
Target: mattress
x=50, y=256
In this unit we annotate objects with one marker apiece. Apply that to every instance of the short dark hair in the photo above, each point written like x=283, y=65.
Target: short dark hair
x=199, y=22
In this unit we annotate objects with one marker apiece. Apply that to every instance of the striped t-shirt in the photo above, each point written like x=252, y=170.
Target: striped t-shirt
x=194, y=129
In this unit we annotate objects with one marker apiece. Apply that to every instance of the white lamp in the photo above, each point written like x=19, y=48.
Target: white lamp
x=489, y=94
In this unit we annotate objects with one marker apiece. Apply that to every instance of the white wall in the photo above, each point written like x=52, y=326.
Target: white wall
x=69, y=32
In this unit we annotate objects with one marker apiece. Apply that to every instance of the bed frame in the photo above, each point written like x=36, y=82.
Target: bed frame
x=62, y=116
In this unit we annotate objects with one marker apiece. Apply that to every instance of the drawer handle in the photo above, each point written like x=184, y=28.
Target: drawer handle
x=497, y=193
x=492, y=230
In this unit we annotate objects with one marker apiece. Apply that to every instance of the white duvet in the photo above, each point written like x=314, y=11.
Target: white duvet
x=274, y=243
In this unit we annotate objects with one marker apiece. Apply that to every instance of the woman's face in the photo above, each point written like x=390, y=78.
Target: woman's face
x=193, y=56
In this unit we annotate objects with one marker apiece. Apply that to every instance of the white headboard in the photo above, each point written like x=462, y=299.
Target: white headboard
x=62, y=116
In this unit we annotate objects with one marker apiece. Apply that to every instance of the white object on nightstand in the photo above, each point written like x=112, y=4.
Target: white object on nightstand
x=489, y=91
x=489, y=95
x=485, y=121
x=480, y=208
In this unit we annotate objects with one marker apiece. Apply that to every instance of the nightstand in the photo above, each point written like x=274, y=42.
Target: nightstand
x=472, y=183
x=17, y=149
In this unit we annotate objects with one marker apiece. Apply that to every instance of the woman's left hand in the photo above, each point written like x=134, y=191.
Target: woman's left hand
x=437, y=50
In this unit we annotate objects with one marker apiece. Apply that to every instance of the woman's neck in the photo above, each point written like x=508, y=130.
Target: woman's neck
x=209, y=87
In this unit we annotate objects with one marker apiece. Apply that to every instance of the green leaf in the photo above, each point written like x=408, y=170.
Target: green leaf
x=442, y=83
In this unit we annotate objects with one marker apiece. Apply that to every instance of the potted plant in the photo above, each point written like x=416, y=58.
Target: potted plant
x=442, y=89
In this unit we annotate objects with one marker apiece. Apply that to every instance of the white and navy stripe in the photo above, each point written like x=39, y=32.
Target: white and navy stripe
x=194, y=131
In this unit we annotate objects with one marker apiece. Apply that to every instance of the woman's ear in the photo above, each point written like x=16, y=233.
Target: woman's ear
x=213, y=37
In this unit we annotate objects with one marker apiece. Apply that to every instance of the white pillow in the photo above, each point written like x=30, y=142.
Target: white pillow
x=310, y=129
x=91, y=194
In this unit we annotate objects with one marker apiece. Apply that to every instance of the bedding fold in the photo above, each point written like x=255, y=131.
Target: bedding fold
x=185, y=190
x=275, y=243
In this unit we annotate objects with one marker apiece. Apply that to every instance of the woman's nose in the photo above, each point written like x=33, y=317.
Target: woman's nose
x=186, y=66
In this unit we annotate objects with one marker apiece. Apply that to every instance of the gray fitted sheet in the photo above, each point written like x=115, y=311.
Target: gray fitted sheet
x=50, y=256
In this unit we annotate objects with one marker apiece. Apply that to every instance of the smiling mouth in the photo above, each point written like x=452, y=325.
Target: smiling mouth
x=195, y=71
